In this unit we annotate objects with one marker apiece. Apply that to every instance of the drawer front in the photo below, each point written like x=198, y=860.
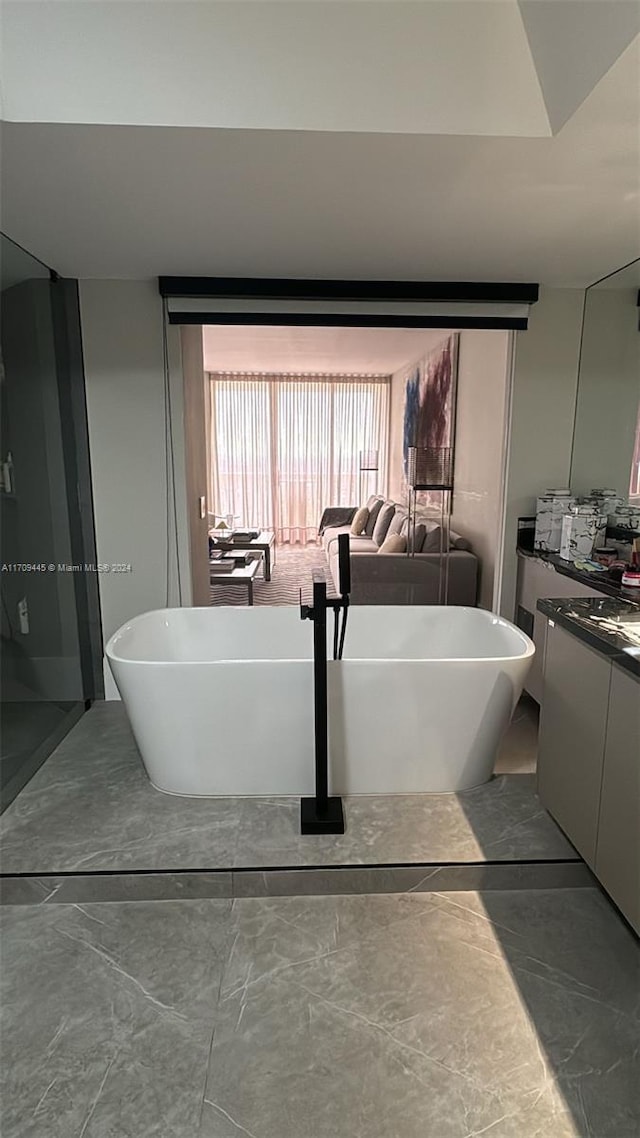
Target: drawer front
x=572, y=737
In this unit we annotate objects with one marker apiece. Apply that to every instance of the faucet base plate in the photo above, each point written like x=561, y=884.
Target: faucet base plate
x=329, y=821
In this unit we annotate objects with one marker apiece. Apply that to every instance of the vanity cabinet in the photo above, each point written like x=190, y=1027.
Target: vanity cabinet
x=536, y=579
x=589, y=761
x=571, y=744
x=618, y=849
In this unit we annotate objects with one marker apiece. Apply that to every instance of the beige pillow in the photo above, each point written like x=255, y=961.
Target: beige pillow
x=359, y=521
x=395, y=543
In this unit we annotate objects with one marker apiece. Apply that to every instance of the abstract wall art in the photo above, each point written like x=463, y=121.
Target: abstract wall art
x=430, y=398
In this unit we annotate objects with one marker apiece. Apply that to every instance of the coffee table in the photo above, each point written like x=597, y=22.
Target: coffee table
x=265, y=542
x=243, y=575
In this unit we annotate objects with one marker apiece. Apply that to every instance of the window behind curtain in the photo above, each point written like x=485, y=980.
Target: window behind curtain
x=284, y=448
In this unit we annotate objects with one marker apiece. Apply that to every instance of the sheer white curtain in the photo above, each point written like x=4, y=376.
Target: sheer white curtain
x=284, y=447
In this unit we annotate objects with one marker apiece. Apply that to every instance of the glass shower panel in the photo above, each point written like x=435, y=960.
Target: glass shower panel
x=43, y=685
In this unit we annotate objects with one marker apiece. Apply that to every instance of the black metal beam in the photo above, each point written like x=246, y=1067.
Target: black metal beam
x=341, y=320
x=276, y=288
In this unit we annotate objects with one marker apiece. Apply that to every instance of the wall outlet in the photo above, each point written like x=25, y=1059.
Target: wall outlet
x=23, y=616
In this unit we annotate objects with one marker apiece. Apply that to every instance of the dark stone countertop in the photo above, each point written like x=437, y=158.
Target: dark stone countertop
x=593, y=620
x=600, y=581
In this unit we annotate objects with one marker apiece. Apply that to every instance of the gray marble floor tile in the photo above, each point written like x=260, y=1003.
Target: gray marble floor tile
x=502, y=820
x=410, y=879
x=577, y=970
x=142, y=887
x=427, y=1015
x=518, y=753
x=439, y=1015
x=107, y=1016
x=508, y=821
x=91, y=807
x=27, y=890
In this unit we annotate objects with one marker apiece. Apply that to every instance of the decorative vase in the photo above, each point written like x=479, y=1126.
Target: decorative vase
x=606, y=499
x=626, y=517
x=583, y=530
x=550, y=509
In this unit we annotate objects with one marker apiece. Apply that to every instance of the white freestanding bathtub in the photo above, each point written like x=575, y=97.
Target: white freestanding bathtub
x=221, y=699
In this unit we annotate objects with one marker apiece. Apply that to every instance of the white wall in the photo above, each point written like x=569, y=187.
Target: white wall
x=542, y=415
x=481, y=420
x=480, y=429
x=123, y=358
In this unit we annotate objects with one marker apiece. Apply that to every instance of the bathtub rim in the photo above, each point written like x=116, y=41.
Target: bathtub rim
x=527, y=644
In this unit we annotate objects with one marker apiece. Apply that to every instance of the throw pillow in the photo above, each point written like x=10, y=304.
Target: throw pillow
x=416, y=540
x=432, y=541
x=458, y=542
x=383, y=521
x=373, y=516
x=359, y=521
x=396, y=543
x=399, y=518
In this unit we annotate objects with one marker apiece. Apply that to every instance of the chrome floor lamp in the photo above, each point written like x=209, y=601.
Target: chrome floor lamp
x=367, y=462
x=431, y=468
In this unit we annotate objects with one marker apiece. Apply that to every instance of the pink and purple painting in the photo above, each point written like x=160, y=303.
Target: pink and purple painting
x=429, y=410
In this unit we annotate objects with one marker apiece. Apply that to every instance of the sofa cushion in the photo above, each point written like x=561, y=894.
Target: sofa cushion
x=432, y=540
x=360, y=520
x=396, y=543
x=416, y=541
x=374, y=510
x=397, y=521
x=332, y=533
x=383, y=521
x=358, y=543
x=362, y=544
x=458, y=542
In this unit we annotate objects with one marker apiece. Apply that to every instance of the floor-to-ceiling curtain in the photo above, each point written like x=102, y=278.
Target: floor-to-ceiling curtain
x=284, y=447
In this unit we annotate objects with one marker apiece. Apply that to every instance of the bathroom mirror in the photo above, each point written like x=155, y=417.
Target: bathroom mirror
x=606, y=440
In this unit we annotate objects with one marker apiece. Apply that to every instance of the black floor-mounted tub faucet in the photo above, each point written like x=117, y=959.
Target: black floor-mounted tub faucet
x=324, y=814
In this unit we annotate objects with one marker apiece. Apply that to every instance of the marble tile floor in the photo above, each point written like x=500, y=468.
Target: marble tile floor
x=518, y=752
x=92, y=808
x=447, y=1015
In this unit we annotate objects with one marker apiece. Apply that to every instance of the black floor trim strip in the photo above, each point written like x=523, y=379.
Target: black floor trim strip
x=290, y=881
x=290, y=868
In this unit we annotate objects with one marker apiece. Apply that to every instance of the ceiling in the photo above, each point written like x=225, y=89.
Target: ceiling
x=626, y=277
x=473, y=67
x=17, y=266
x=475, y=140
x=371, y=351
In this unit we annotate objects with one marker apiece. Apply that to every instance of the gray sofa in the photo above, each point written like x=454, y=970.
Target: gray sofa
x=397, y=578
